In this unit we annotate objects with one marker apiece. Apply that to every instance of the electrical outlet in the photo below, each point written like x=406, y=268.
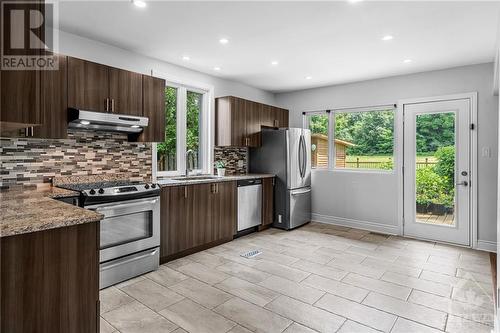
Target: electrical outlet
x=240, y=163
x=486, y=152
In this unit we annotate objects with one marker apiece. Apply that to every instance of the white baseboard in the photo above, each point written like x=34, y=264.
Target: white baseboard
x=363, y=225
x=488, y=246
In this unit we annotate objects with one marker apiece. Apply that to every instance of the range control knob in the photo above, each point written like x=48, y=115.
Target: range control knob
x=101, y=191
x=153, y=185
x=92, y=192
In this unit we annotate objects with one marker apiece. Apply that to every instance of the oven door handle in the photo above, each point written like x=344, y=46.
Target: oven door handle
x=127, y=205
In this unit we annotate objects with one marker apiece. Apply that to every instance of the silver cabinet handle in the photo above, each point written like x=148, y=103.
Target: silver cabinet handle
x=106, y=104
x=112, y=105
x=464, y=183
x=301, y=192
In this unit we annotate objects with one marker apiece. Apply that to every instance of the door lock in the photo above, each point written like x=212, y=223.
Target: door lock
x=464, y=173
x=464, y=183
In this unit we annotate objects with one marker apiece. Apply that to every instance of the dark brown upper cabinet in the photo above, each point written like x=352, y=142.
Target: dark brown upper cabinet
x=88, y=85
x=125, y=92
x=153, y=107
x=20, y=98
x=239, y=121
x=96, y=87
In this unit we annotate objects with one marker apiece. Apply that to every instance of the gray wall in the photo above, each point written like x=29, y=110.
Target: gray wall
x=84, y=48
x=371, y=198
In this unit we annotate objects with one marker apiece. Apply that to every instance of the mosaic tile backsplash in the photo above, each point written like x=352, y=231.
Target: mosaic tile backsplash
x=234, y=157
x=31, y=161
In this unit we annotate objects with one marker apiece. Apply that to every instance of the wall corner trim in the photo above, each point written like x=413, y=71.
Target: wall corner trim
x=363, y=225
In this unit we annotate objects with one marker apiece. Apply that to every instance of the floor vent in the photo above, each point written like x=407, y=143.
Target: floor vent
x=251, y=254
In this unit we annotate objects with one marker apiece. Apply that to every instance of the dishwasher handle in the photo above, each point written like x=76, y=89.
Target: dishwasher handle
x=249, y=182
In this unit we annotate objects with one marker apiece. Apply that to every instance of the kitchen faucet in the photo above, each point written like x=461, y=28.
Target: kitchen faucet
x=189, y=152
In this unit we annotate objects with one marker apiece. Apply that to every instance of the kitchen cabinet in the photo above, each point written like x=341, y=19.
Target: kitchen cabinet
x=88, y=85
x=196, y=217
x=54, y=102
x=50, y=280
x=96, y=87
x=239, y=121
x=125, y=92
x=153, y=107
x=267, y=201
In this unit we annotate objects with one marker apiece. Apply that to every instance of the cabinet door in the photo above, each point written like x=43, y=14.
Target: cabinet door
x=266, y=115
x=88, y=85
x=174, y=233
x=267, y=201
x=283, y=118
x=238, y=123
x=125, y=92
x=153, y=107
x=54, y=102
x=199, y=214
x=223, y=210
x=252, y=122
x=20, y=97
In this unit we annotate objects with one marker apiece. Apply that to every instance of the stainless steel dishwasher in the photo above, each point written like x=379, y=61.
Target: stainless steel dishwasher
x=249, y=203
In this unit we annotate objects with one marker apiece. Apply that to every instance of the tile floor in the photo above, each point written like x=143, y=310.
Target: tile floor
x=318, y=278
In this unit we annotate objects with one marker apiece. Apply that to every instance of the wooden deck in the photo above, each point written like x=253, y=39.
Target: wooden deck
x=446, y=219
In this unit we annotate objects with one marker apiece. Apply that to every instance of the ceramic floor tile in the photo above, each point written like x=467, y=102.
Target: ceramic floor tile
x=387, y=266
x=207, y=259
x=129, y=282
x=174, y=264
x=461, y=325
x=201, y=293
x=419, y=284
x=105, y=327
x=354, y=327
x=137, y=318
x=152, y=294
x=297, y=328
x=474, y=312
x=336, y=288
x=377, y=253
x=415, y=312
x=341, y=256
x=112, y=298
x=373, y=272
x=195, y=318
x=166, y=276
x=252, y=316
x=474, y=276
x=290, y=273
x=295, y=290
x=322, y=270
x=239, y=329
x=407, y=326
x=305, y=314
x=203, y=273
x=277, y=258
x=312, y=256
x=360, y=313
x=379, y=286
x=248, y=291
x=180, y=330
x=243, y=272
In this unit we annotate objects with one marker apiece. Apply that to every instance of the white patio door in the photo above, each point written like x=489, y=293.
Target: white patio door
x=437, y=171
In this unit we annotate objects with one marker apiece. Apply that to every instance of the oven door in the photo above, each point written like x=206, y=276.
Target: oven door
x=128, y=227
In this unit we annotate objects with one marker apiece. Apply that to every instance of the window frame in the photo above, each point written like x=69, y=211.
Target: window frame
x=205, y=157
x=331, y=137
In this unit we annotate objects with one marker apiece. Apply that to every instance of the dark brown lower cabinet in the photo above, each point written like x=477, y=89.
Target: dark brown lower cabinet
x=267, y=201
x=196, y=217
x=50, y=281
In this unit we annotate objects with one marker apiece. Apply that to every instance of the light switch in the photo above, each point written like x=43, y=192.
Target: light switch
x=486, y=152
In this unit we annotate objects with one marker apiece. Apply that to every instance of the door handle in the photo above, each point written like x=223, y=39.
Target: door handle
x=464, y=183
x=301, y=192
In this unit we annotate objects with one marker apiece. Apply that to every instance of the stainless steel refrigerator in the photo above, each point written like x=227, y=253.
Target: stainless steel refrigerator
x=287, y=154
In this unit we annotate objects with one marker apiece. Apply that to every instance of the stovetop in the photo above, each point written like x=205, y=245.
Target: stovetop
x=111, y=191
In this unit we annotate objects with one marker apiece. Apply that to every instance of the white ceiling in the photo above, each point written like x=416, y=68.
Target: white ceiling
x=333, y=42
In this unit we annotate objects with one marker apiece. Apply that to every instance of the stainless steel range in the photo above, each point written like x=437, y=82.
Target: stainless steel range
x=130, y=230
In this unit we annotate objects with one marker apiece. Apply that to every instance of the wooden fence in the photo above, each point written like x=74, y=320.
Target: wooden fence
x=168, y=161
x=380, y=164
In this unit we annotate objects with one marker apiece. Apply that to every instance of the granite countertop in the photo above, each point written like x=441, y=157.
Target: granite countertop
x=174, y=181
x=25, y=210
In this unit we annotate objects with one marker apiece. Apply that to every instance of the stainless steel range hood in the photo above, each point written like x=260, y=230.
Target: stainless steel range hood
x=101, y=121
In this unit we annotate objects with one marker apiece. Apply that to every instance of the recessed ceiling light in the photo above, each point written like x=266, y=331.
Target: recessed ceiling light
x=186, y=58
x=139, y=3
x=308, y=77
x=223, y=41
x=387, y=37
x=407, y=61
x=84, y=122
x=354, y=1
x=216, y=68
x=274, y=63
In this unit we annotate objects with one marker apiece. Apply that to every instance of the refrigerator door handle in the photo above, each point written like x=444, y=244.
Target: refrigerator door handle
x=301, y=156
x=304, y=149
